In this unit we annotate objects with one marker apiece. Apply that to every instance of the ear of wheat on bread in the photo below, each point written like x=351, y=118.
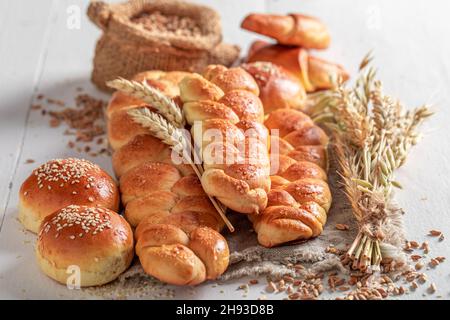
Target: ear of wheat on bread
x=177, y=233
x=166, y=128
x=141, y=90
x=224, y=103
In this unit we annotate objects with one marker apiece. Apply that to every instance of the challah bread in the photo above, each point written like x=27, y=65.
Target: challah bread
x=225, y=104
x=84, y=245
x=166, y=82
x=278, y=87
x=121, y=128
x=162, y=202
x=314, y=73
x=293, y=29
x=142, y=148
x=169, y=254
x=177, y=234
x=154, y=189
x=62, y=182
x=300, y=197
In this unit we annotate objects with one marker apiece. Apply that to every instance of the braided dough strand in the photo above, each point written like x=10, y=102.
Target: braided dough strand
x=226, y=117
x=177, y=227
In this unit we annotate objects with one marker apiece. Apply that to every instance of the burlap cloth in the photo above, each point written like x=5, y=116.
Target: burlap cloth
x=250, y=259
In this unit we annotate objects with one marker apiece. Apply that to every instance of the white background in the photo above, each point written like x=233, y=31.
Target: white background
x=40, y=54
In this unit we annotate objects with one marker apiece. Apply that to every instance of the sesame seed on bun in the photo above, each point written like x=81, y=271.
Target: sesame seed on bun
x=95, y=241
x=61, y=182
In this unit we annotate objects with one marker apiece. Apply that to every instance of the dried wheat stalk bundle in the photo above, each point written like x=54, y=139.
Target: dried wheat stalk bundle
x=373, y=134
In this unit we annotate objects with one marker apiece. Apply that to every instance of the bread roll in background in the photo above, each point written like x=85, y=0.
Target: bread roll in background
x=314, y=73
x=278, y=87
x=96, y=240
x=62, y=182
x=293, y=29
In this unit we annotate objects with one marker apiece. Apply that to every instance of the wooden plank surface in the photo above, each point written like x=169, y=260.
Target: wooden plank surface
x=23, y=47
x=40, y=54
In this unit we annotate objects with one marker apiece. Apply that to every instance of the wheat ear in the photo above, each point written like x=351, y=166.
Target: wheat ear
x=162, y=129
x=164, y=105
x=373, y=135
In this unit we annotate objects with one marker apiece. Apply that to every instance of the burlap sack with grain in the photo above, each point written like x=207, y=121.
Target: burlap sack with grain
x=126, y=48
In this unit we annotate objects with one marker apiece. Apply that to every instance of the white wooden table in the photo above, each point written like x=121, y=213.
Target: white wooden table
x=39, y=53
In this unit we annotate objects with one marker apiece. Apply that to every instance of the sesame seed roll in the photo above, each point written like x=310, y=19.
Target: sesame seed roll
x=62, y=182
x=95, y=241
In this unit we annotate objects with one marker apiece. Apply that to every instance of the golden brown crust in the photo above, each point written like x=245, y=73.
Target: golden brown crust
x=175, y=257
x=157, y=203
x=294, y=29
x=310, y=32
x=188, y=186
x=310, y=136
x=234, y=193
x=160, y=234
x=212, y=248
x=166, y=207
x=314, y=154
x=166, y=82
x=143, y=148
x=61, y=182
x=119, y=101
x=190, y=220
x=287, y=121
x=121, y=127
x=235, y=174
x=94, y=239
x=310, y=189
x=229, y=79
x=300, y=197
x=320, y=73
x=278, y=87
x=206, y=109
x=314, y=73
x=195, y=88
x=245, y=104
x=164, y=199
x=303, y=169
x=137, y=182
x=175, y=264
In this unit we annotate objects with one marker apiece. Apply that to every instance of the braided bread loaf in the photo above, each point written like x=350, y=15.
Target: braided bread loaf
x=299, y=198
x=121, y=128
x=177, y=234
x=233, y=139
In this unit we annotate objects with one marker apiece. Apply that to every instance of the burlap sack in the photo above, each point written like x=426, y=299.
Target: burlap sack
x=127, y=48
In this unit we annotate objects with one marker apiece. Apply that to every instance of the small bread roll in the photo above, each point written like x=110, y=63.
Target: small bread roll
x=95, y=241
x=61, y=182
